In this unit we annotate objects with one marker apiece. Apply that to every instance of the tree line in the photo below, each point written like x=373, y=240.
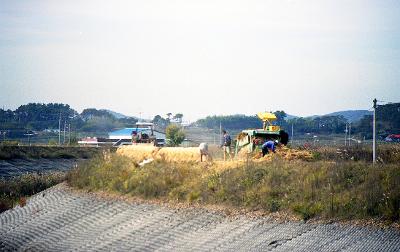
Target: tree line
x=40, y=116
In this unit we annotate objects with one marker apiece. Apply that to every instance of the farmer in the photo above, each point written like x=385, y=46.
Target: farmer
x=134, y=137
x=226, y=144
x=268, y=146
x=203, y=147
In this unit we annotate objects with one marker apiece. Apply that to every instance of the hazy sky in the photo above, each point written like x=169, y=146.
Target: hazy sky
x=200, y=57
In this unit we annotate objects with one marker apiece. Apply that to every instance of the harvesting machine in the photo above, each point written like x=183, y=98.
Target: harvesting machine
x=252, y=139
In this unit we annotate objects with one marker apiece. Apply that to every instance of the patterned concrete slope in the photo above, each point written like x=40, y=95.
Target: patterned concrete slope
x=16, y=167
x=60, y=220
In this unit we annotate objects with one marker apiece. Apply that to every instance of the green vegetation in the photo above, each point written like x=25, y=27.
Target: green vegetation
x=231, y=122
x=388, y=122
x=386, y=153
x=50, y=152
x=39, y=117
x=343, y=190
x=162, y=122
x=16, y=190
x=175, y=135
x=320, y=125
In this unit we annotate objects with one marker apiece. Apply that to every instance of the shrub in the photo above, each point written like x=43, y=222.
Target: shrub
x=16, y=190
x=174, y=134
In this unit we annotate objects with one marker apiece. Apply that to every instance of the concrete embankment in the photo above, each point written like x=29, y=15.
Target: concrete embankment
x=8, y=152
x=60, y=219
x=17, y=167
x=18, y=160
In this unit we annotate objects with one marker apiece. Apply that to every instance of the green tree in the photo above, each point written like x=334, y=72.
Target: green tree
x=160, y=122
x=178, y=117
x=175, y=135
x=230, y=122
x=280, y=116
x=90, y=113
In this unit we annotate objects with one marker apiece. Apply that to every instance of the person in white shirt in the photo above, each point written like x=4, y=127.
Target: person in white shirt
x=203, y=147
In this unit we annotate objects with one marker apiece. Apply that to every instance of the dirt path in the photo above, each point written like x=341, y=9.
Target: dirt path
x=61, y=220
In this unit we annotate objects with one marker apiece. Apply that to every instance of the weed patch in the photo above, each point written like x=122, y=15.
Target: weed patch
x=16, y=190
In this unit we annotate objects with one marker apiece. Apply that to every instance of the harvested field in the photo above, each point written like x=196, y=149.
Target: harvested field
x=283, y=152
x=60, y=219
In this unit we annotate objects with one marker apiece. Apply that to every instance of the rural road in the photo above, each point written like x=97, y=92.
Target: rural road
x=60, y=220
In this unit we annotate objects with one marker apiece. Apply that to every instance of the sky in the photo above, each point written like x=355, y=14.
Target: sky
x=200, y=58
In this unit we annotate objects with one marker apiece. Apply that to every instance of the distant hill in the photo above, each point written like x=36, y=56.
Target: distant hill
x=119, y=115
x=288, y=117
x=351, y=115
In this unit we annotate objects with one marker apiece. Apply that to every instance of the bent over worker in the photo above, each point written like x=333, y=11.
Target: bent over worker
x=203, y=147
x=267, y=147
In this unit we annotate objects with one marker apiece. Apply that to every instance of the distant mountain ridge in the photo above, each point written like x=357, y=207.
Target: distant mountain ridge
x=118, y=115
x=351, y=115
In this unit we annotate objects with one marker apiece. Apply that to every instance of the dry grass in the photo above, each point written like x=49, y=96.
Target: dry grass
x=386, y=153
x=345, y=190
x=16, y=190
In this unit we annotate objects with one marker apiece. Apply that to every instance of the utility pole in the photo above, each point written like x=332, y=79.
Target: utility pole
x=345, y=136
x=374, y=133
x=349, y=134
x=65, y=122
x=292, y=132
x=220, y=132
x=59, y=130
x=69, y=134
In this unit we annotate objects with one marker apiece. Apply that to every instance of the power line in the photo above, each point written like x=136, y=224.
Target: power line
x=59, y=130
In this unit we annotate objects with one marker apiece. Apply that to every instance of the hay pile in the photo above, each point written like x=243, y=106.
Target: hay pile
x=288, y=154
x=282, y=152
x=179, y=154
x=170, y=154
x=292, y=154
x=138, y=152
x=192, y=154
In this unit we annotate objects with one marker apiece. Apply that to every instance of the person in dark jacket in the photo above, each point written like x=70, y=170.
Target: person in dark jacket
x=226, y=144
